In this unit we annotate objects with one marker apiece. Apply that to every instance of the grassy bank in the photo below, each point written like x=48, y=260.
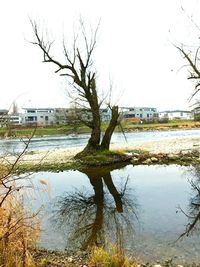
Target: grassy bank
x=70, y=129
x=174, y=124
x=42, y=131
x=114, y=159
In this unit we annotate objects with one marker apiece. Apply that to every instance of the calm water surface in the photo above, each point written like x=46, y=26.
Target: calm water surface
x=143, y=207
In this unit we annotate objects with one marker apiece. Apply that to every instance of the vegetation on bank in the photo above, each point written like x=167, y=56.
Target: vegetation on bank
x=18, y=227
x=82, y=129
x=18, y=233
x=42, y=131
x=111, y=158
x=113, y=258
x=96, y=257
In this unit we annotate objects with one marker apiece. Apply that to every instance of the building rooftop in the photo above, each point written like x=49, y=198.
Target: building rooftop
x=38, y=108
x=172, y=111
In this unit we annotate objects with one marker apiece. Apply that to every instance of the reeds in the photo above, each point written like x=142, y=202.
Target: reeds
x=18, y=232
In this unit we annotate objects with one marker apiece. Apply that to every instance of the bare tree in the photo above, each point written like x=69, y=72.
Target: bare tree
x=78, y=67
x=8, y=168
x=192, y=57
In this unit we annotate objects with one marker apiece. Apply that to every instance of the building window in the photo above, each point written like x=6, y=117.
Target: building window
x=41, y=117
x=46, y=118
x=140, y=115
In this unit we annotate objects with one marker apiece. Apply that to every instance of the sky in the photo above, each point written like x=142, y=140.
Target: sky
x=135, y=50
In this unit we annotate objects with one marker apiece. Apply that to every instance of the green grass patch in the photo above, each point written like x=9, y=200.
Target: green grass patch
x=49, y=167
x=102, y=158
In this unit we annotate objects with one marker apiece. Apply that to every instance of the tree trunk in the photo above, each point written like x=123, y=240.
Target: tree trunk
x=94, y=141
x=105, y=144
x=93, y=144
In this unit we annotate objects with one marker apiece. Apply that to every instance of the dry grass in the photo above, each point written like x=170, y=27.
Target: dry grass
x=113, y=258
x=18, y=232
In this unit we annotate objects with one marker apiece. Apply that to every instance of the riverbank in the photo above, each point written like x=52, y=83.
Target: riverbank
x=183, y=151
x=80, y=259
x=63, y=155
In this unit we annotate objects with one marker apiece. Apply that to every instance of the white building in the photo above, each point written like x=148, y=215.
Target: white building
x=9, y=119
x=53, y=116
x=176, y=114
x=142, y=113
x=38, y=116
x=15, y=119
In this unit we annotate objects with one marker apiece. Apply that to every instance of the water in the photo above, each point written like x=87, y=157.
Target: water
x=142, y=207
x=80, y=140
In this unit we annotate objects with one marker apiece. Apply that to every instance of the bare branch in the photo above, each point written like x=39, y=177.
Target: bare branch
x=192, y=65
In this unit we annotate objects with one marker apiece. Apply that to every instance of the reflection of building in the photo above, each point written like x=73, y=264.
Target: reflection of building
x=176, y=114
x=142, y=113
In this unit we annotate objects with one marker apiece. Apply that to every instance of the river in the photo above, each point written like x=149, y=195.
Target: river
x=47, y=142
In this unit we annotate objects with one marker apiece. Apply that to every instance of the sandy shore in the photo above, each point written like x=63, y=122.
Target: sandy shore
x=60, y=155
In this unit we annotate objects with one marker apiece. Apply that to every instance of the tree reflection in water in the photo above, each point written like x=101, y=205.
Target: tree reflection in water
x=94, y=219
x=193, y=213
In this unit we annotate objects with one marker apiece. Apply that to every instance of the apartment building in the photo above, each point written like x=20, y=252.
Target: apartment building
x=176, y=114
x=9, y=119
x=38, y=116
x=58, y=116
x=142, y=113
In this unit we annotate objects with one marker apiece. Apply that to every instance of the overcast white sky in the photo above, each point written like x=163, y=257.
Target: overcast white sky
x=134, y=49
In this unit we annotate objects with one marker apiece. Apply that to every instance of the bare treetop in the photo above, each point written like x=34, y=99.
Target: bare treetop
x=78, y=67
